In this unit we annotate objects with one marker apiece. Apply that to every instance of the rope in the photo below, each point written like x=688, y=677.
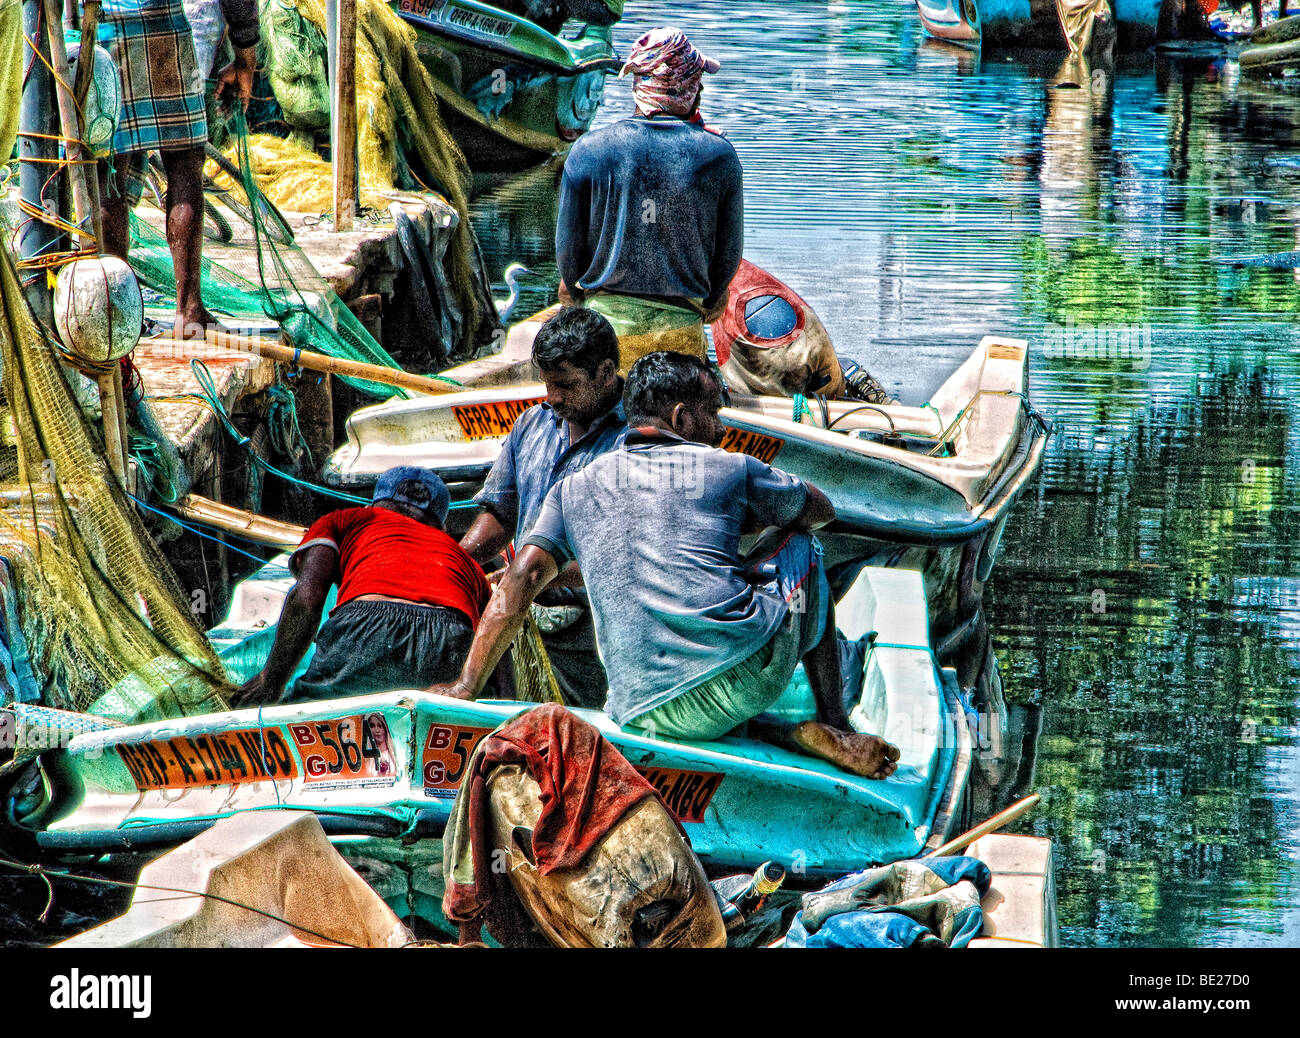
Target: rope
x=149, y=460
x=209, y=390
x=943, y=435
x=45, y=873
x=282, y=423
x=800, y=409
x=199, y=533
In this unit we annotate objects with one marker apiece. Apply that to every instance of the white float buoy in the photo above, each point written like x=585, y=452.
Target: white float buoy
x=98, y=308
x=103, y=105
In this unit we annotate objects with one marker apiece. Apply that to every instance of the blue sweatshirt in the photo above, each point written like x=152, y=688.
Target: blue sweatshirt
x=651, y=207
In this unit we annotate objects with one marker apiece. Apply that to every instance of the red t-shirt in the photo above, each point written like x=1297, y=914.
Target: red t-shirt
x=382, y=552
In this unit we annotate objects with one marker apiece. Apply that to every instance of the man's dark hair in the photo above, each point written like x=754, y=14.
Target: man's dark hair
x=579, y=336
x=658, y=382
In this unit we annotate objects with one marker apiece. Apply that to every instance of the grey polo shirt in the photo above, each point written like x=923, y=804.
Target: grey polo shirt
x=655, y=527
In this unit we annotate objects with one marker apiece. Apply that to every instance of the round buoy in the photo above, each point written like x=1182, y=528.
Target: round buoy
x=103, y=105
x=98, y=309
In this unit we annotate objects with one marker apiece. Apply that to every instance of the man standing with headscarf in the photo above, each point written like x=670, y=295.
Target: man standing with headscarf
x=651, y=219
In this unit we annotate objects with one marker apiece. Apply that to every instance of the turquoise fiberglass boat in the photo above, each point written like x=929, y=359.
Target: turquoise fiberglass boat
x=512, y=93
x=382, y=771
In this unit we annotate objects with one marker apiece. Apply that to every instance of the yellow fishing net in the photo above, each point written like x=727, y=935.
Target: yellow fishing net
x=292, y=176
x=534, y=679
x=104, y=619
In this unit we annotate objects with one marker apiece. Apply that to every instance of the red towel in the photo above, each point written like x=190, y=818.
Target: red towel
x=586, y=787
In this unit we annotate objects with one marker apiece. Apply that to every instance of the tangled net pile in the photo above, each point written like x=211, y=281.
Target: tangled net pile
x=104, y=620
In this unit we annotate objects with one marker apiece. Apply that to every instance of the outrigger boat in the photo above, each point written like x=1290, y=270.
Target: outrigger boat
x=381, y=771
x=927, y=488
x=1274, y=50
x=512, y=93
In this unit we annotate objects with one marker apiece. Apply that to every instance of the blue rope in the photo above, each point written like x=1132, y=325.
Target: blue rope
x=197, y=532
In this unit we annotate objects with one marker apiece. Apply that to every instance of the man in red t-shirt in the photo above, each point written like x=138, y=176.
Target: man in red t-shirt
x=409, y=598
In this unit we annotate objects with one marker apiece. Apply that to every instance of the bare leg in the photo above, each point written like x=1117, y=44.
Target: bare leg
x=830, y=737
x=116, y=211
x=185, y=237
x=822, y=666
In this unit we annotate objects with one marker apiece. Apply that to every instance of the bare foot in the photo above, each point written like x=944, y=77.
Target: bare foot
x=866, y=755
x=196, y=325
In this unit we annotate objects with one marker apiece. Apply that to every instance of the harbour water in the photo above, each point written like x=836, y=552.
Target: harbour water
x=1146, y=611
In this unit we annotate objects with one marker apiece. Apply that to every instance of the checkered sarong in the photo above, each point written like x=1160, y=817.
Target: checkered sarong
x=162, y=93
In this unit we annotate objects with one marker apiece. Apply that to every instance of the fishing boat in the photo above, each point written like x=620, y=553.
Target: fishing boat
x=1274, y=50
x=511, y=92
x=381, y=771
x=957, y=21
x=927, y=488
x=1019, y=23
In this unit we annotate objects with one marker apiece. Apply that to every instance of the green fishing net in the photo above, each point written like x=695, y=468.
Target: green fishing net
x=252, y=272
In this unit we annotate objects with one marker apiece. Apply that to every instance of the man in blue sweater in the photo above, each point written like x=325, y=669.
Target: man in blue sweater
x=651, y=217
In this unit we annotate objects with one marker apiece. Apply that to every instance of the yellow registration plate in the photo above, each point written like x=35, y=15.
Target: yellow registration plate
x=483, y=421
x=742, y=441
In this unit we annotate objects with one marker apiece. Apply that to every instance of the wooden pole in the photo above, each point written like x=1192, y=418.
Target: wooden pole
x=343, y=113
x=38, y=122
x=86, y=69
x=87, y=219
x=237, y=520
x=305, y=359
x=71, y=121
x=998, y=821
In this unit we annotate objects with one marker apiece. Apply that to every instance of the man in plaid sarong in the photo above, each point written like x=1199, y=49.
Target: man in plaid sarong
x=162, y=109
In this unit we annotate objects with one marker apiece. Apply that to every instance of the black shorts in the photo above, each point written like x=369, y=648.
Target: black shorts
x=369, y=646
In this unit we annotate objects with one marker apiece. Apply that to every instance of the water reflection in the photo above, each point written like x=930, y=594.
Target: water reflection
x=1145, y=612
x=1150, y=629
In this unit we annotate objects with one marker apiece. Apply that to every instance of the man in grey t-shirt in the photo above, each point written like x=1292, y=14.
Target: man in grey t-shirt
x=695, y=640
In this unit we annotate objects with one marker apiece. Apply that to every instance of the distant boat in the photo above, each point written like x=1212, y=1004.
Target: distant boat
x=511, y=92
x=1020, y=23
x=957, y=21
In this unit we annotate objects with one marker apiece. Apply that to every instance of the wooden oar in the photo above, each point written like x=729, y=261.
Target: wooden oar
x=998, y=821
x=306, y=359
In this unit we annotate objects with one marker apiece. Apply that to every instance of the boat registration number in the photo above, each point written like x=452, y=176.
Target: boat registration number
x=477, y=21
x=482, y=421
x=686, y=793
x=248, y=755
x=742, y=441
x=346, y=751
x=420, y=8
x=447, y=749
